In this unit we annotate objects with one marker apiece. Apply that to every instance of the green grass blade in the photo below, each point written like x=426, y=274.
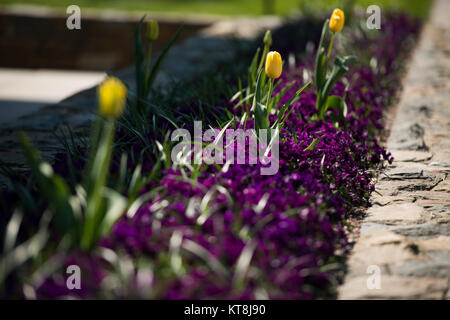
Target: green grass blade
x=161, y=58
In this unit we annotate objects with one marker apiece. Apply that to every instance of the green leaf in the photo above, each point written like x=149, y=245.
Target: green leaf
x=243, y=264
x=122, y=172
x=344, y=109
x=313, y=144
x=320, y=66
x=161, y=58
x=281, y=118
x=97, y=178
x=51, y=186
x=116, y=206
x=335, y=103
x=340, y=68
x=260, y=111
x=12, y=230
x=252, y=71
x=28, y=249
x=320, y=59
x=136, y=184
x=210, y=260
x=243, y=100
x=322, y=162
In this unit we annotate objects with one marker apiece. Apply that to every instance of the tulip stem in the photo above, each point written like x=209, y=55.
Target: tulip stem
x=97, y=178
x=95, y=138
x=269, y=96
x=271, y=81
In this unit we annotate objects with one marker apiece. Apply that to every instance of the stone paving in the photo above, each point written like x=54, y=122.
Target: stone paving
x=405, y=238
x=23, y=91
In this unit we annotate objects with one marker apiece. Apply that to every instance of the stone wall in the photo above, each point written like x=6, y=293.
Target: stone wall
x=39, y=38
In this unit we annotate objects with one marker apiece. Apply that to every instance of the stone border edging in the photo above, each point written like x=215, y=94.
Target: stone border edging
x=405, y=238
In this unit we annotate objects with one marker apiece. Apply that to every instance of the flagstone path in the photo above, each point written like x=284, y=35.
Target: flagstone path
x=404, y=247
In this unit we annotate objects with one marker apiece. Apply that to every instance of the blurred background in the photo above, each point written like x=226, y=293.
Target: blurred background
x=43, y=62
x=223, y=7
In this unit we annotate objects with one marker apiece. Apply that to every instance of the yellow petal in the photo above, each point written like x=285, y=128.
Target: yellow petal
x=274, y=65
x=337, y=20
x=112, y=97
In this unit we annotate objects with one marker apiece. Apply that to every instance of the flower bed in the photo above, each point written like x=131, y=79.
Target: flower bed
x=235, y=233
x=293, y=221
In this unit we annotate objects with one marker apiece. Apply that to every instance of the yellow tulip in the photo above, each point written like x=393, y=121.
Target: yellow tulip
x=274, y=65
x=112, y=95
x=152, y=30
x=337, y=20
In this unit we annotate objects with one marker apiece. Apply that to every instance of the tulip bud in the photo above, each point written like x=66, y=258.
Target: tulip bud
x=274, y=65
x=112, y=95
x=268, y=38
x=337, y=20
x=152, y=30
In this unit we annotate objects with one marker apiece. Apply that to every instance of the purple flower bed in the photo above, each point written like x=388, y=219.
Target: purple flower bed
x=270, y=236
